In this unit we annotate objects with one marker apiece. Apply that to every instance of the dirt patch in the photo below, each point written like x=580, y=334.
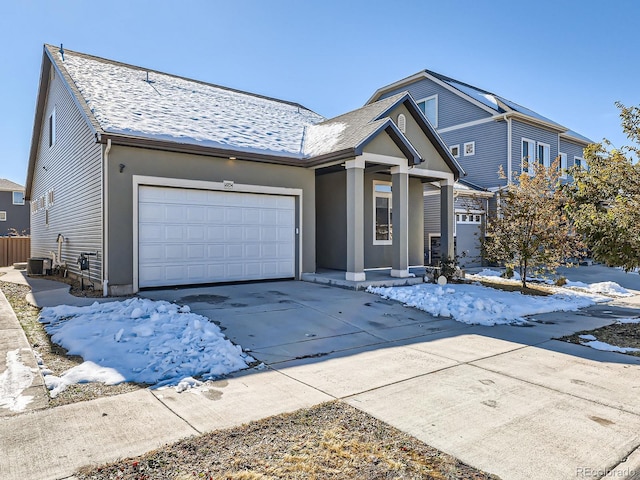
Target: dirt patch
x=330, y=441
x=626, y=335
x=54, y=356
x=515, y=286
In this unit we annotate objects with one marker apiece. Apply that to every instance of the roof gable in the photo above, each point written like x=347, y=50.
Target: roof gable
x=488, y=101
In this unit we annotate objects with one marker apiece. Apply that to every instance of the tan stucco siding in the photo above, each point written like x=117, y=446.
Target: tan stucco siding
x=415, y=135
x=141, y=161
x=71, y=168
x=382, y=144
x=331, y=220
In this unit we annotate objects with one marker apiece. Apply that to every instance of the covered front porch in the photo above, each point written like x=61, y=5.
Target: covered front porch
x=374, y=278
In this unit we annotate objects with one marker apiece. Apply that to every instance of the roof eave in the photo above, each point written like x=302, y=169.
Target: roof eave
x=169, y=146
x=570, y=137
x=529, y=119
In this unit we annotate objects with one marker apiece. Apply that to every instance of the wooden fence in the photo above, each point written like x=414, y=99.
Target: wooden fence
x=14, y=250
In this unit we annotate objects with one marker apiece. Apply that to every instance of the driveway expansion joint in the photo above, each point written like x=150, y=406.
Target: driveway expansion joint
x=176, y=414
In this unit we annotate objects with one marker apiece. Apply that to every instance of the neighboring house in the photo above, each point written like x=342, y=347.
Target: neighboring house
x=484, y=132
x=14, y=213
x=172, y=181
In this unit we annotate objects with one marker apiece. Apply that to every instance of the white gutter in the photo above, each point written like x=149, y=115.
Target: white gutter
x=509, y=148
x=105, y=221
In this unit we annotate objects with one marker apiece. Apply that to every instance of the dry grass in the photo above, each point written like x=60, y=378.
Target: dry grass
x=329, y=441
x=54, y=356
x=625, y=335
x=516, y=286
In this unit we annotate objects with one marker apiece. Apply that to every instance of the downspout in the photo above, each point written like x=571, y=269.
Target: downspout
x=509, y=148
x=105, y=221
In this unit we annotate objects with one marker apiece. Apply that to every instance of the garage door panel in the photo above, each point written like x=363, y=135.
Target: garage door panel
x=189, y=236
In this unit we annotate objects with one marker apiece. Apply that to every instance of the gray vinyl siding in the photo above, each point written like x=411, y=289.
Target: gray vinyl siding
x=17, y=215
x=72, y=169
x=572, y=150
x=520, y=130
x=431, y=202
x=452, y=108
x=490, y=152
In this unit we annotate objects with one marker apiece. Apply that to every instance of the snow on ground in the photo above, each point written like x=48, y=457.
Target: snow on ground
x=16, y=378
x=139, y=340
x=479, y=305
x=609, y=289
x=598, y=345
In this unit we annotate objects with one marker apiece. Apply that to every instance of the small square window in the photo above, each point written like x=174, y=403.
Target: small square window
x=455, y=150
x=18, y=198
x=3, y=216
x=469, y=148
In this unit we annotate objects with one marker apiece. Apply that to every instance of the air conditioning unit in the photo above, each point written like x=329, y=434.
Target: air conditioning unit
x=38, y=266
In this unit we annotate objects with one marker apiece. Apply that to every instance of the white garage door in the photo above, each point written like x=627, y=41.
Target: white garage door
x=188, y=236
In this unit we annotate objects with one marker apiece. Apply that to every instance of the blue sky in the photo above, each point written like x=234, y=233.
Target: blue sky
x=567, y=60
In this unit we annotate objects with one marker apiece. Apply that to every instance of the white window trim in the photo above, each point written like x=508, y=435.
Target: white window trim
x=426, y=99
x=51, y=128
x=563, y=164
x=546, y=162
x=530, y=161
x=13, y=200
x=3, y=216
x=451, y=150
x=383, y=195
x=583, y=164
x=473, y=149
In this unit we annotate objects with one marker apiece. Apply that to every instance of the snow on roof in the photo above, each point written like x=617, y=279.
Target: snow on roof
x=131, y=100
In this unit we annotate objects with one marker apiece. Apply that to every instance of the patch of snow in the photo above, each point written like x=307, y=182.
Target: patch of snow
x=587, y=337
x=609, y=348
x=320, y=139
x=487, y=272
x=139, y=340
x=628, y=320
x=611, y=289
x=188, y=383
x=186, y=111
x=13, y=381
x=479, y=305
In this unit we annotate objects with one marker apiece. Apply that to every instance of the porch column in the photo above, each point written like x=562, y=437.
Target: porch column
x=400, y=221
x=447, y=218
x=355, y=220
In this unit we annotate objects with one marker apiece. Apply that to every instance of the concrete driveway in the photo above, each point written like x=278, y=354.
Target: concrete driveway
x=508, y=400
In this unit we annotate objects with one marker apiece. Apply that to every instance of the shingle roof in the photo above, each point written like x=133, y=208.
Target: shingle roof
x=9, y=186
x=348, y=130
x=135, y=101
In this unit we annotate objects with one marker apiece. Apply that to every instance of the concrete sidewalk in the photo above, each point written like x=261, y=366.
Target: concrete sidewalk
x=509, y=400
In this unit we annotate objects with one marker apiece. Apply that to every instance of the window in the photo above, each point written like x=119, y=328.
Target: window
x=579, y=162
x=3, y=216
x=528, y=155
x=469, y=149
x=563, y=165
x=402, y=123
x=455, y=150
x=34, y=206
x=49, y=198
x=41, y=203
x=469, y=218
x=52, y=128
x=429, y=107
x=382, y=233
x=18, y=198
x=544, y=155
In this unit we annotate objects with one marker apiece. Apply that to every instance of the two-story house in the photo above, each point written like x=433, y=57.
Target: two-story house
x=14, y=213
x=484, y=132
